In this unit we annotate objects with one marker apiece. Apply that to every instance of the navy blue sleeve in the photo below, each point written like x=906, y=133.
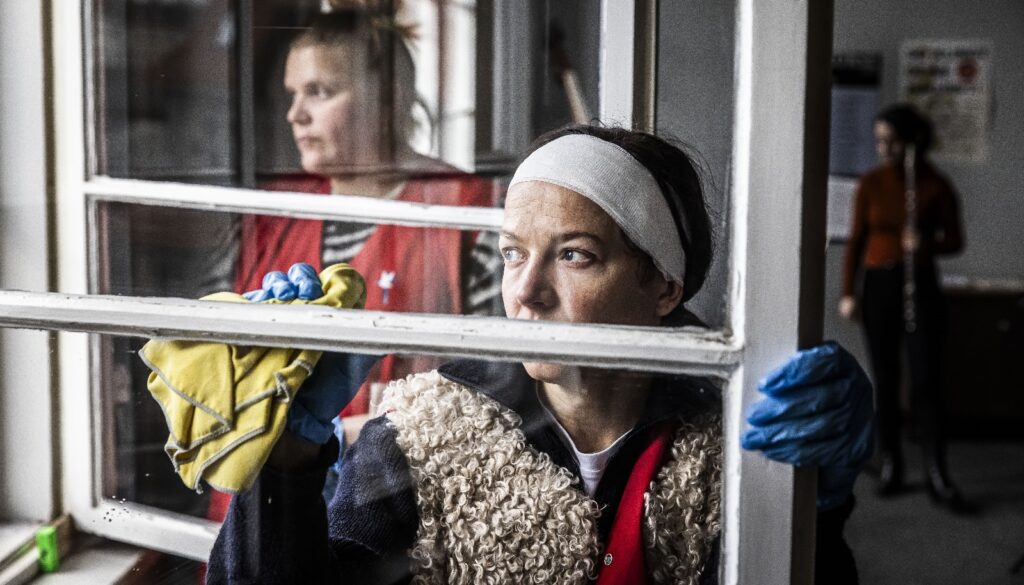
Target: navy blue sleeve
x=372, y=519
x=709, y=576
x=833, y=560
x=281, y=532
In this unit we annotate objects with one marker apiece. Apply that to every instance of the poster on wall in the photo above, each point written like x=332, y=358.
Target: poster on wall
x=950, y=82
x=855, y=91
x=855, y=99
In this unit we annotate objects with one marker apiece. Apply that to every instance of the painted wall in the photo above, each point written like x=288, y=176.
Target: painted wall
x=695, y=105
x=991, y=193
x=695, y=77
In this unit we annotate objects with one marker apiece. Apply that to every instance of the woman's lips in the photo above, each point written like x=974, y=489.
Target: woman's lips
x=305, y=141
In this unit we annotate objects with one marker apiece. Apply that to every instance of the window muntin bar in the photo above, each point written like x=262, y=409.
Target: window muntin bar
x=696, y=350
x=301, y=205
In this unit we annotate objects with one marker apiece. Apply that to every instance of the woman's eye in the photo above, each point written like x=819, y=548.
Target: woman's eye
x=576, y=256
x=511, y=254
x=318, y=91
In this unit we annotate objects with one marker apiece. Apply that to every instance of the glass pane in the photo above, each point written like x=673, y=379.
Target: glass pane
x=246, y=93
x=157, y=251
x=695, y=97
x=504, y=446
x=346, y=122
x=166, y=93
x=559, y=256
x=134, y=434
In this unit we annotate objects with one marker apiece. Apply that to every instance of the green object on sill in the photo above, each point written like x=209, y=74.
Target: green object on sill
x=46, y=543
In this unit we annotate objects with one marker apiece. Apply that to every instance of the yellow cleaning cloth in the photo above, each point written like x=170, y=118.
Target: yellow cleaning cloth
x=226, y=405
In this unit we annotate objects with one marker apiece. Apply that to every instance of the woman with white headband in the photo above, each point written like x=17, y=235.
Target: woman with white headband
x=546, y=473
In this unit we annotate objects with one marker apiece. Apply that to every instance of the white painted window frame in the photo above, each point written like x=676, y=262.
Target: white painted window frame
x=774, y=172
x=27, y=495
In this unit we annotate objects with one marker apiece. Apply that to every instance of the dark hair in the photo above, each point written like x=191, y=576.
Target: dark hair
x=909, y=125
x=680, y=183
x=375, y=32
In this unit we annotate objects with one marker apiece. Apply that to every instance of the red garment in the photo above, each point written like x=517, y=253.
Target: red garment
x=426, y=262
x=623, y=561
x=879, y=215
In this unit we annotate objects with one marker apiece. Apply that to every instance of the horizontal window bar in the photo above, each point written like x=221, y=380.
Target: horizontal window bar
x=692, y=350
x=150, y=527
x=301, y=205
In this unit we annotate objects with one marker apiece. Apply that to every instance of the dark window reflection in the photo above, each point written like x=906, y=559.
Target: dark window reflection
x=195, y=90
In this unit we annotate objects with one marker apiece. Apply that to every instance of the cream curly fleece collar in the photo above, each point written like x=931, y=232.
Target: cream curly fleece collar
x=492, y=509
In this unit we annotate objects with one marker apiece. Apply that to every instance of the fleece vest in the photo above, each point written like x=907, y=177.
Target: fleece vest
x=492, y=509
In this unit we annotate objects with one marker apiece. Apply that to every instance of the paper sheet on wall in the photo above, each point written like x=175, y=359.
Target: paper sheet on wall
x=840, y=207
x=855, y=79
x=950, y=81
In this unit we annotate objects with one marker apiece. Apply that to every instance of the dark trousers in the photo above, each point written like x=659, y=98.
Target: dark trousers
x=882, y=309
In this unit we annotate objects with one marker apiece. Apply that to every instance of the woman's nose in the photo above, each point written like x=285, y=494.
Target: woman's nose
x=297, y=113
x=533, y=288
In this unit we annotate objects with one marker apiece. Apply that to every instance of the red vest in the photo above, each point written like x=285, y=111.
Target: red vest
x=424, y=263
x=623, y=560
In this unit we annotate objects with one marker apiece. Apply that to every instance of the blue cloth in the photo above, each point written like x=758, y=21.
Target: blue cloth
x=818, y=411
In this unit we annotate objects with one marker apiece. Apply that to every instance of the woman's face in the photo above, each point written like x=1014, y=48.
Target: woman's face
x=887, y=145
x=330, y=117
x=567, y=260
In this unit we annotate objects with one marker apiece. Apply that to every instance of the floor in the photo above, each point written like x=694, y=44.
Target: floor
x=906, y=540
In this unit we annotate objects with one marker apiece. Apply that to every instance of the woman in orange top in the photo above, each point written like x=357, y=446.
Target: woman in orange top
x=880, y=240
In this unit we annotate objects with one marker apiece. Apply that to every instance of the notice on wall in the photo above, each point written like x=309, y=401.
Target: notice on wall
x=855, y=78
x=951, y=82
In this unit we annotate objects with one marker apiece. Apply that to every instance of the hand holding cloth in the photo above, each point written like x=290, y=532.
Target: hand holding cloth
x=227, y=405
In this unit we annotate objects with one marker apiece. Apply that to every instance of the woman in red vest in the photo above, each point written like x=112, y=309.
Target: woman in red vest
x=352, y=82
x=342, y=73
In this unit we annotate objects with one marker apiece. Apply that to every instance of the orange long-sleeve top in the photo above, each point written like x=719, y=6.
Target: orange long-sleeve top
x=879, y=215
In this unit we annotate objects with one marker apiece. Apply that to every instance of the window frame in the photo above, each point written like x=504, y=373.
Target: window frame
x=778, y=110
x=27, y=410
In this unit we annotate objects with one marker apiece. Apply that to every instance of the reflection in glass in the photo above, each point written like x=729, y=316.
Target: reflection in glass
x=365, y=94
x=155, y=251
x=485, y=452
x=165, y=90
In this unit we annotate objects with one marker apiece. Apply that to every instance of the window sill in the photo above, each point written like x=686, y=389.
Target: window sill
x=97, y=564
x=94, y=561
x=16, y=544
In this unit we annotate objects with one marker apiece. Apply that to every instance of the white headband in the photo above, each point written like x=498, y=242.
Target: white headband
x=621, y=186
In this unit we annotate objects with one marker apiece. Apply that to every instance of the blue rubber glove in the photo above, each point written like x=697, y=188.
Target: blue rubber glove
x=301, y=282
x=818, y=410
x=337, y=376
